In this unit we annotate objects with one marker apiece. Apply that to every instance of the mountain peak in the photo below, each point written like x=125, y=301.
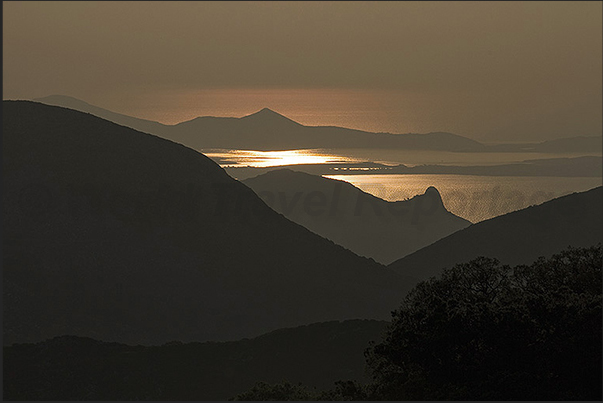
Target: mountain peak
x=268, y=115
x=432, y=189
x=434, y=194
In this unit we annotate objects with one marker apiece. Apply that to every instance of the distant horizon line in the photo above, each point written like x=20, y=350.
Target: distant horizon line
x=227, y=117
x=268, y=109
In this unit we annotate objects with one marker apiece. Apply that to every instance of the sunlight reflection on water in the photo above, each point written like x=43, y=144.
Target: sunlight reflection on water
x=262, y=159
x=475, y=198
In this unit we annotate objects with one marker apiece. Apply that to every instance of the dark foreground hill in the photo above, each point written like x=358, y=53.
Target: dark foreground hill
x=361, y=222
x=75, y=368
x=519, y=237
x=122, y=236
x=143, y=125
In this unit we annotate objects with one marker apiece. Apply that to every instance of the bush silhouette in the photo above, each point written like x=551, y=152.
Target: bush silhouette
x=284, y=391
x=485, y=331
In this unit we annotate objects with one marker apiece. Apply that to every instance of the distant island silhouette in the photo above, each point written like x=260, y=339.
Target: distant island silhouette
x=269, y=130
x=585, y=166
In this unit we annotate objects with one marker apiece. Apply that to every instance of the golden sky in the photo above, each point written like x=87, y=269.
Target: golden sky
x=488, y=70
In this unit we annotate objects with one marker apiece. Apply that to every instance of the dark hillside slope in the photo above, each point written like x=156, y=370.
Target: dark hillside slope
x=519, y=237
x=367, y=225
x=146, y=126
x=122, y=236
x=316, y=355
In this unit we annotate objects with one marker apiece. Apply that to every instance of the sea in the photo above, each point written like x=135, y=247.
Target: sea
x=475, y=198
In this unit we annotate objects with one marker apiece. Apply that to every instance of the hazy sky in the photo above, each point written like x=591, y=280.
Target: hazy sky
x=493, y=71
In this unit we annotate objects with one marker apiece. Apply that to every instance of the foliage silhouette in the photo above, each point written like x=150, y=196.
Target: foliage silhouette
x=486, y=331
x=284, y=391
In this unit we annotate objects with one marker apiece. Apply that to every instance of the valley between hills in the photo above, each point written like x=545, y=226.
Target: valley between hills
x=135, y=267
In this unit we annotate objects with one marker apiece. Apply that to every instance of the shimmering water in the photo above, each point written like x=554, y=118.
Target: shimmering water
x=260, y=159
x=430, y=157
x=263, y=159
x=475, y=198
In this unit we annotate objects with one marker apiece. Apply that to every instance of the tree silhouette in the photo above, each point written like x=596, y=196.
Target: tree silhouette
x=486, y=331
x=284, y=391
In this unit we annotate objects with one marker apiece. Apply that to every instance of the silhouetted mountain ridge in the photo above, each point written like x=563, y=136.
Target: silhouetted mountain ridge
x=266, y=115
x=87, y=369
x=147, y=126
x=515, y=238
x=366, y=224
x=269, y=130
x=123, y=236
x=586, y=144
